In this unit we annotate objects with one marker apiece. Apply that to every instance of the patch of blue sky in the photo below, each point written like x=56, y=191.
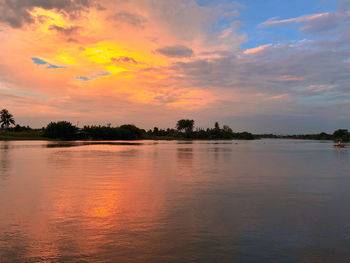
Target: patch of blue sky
x=257, y=12
x=40, y=62
x=215, y=3
x=103, y=73
x=53, y=66
x=99, y=74
x=82, y=78
x=254, y=12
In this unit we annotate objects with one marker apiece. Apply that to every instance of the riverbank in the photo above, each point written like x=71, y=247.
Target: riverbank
x=22, y=136
x=106, y=134
x=123, y=133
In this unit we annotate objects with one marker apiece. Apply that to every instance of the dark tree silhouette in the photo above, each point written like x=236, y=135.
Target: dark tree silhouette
x=186, y=125
x=341, y=135
x=124, y=132
x=217, y=127
x=6, y=119
x=60, y=130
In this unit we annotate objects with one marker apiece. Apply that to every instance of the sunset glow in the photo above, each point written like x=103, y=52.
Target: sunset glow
x=110, y=61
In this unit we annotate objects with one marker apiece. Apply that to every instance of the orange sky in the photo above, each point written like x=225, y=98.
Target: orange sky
x=146, y=62
x=117, y=59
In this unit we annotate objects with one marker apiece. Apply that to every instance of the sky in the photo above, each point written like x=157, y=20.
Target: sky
x=268, y=66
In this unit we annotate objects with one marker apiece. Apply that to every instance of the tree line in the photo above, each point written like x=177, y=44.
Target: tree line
x=342, y=135
x=184, y=129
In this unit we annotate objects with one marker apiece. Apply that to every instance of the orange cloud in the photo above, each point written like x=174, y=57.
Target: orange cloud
x=256, y=49
x=101, y=64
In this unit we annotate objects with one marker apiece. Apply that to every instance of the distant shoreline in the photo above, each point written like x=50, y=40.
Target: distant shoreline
x=185, y=131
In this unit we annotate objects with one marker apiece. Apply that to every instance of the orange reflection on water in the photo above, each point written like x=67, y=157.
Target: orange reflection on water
x=170, y=201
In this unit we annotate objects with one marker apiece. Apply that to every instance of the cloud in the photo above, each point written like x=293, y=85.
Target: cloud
x=16, y=13
x=123, y=59
x=299, y=19
x=100, y=74
x=333, y=21
x=10, y=92
x=318, y=23
x=177, y=51
x=286, y=78
x=39, y=61
x=129, y=18
x=183, y=18
x=64, y=30
x=257, y=49
x=285, y=69
x=206, y=74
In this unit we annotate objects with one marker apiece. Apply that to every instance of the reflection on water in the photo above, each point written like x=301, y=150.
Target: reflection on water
x=256, y=201
x=5, y=161
x=86, y=143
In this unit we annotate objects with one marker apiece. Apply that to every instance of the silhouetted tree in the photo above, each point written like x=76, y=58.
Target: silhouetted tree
x=244, y=136
x=6, y=119
x=131, y=132
x=217, y=127
x=155, y=131
x=19, y=128
x=323, y=136
x=227, y=129
x=186, y=125
x=65, y=130
x=124, y=132
x=60, y=130
x=342, y=135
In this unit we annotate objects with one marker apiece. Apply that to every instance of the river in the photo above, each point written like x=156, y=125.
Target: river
x=171, y=201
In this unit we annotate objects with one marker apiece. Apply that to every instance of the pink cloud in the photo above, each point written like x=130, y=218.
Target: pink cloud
x=299, y=19
x=257, y=49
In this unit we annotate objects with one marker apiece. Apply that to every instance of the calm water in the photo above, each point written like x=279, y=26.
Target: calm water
x=256, y=201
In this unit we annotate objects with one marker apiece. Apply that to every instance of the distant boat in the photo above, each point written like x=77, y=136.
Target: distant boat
x=339, y=146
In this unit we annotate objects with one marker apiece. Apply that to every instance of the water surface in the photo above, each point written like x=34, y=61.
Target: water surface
x=146, y=201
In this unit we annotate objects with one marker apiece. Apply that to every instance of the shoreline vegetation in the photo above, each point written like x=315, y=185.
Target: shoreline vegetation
x=66, y=131
x=184, y=130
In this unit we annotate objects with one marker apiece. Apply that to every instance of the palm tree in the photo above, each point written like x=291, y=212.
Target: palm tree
x=6, y=119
